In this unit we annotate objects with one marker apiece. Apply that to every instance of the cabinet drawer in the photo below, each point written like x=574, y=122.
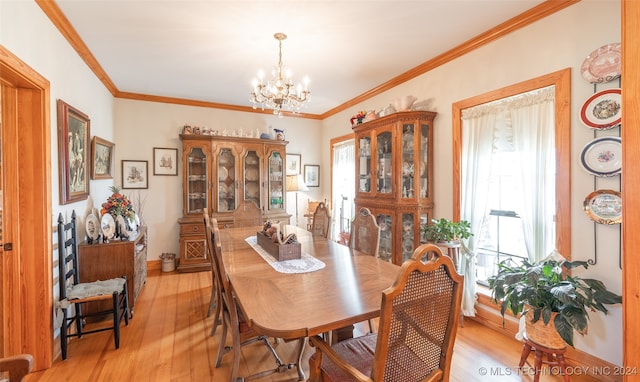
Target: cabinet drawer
x=192, y=229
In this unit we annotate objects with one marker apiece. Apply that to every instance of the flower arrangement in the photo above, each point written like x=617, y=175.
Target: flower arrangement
x=358, y=118
x=118, y=204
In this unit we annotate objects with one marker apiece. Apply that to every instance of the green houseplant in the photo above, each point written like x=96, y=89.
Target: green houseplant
x=549, y=291
x=445, y=231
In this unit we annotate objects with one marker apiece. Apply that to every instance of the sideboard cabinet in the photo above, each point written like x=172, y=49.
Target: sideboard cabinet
x=117, y=258
x=394, y=178
x=218, y=173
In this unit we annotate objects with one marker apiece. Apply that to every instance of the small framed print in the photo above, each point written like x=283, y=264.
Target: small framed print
x=73, y=153
x=293, y=164
x=165, y=161
x=312, y=175
x=135, y=174
x=102, y=158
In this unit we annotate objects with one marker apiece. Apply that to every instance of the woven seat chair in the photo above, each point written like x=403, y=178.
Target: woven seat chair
x=72, y=292
x=17, y=366
x=233, y=321
x=321, y=221
x=214, y=302
x=247, y=215
x=418, y=325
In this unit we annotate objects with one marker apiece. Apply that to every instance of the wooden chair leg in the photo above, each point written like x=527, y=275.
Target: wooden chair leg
x=563, y=367
x=63, y=334
x=116, y=319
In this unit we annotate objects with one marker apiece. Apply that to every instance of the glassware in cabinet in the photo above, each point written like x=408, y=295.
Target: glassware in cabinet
x=385, y=222
x=407, y=237
x=197, y=181
x=384, y=181
x=276, y=181
x=423, y=164
x=364, y=164
x=251, y=181
x=408, y=165
x=226, y=181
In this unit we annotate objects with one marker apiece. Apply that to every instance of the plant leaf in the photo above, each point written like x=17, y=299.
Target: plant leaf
x=564, y=329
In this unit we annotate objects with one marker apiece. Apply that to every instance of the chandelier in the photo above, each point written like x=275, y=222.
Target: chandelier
x=279, y=93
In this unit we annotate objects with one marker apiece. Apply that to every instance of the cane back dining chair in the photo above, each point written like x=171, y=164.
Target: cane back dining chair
x=17, y=366
x=233, y=320
x=418, y=325
x=214, y=301
x=247, y=215
x=72, y=292
x=321, y=221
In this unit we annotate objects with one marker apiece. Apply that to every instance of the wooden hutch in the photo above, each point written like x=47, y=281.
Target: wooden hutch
x=219, y=172
x=394, y=178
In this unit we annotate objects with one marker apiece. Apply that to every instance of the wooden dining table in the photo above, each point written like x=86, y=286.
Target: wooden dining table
x=346, y=291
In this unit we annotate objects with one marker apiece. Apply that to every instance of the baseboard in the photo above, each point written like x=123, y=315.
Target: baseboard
x=488, y=314
x=154, y=265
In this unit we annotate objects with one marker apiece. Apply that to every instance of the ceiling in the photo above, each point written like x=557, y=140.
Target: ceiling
x=211, y=50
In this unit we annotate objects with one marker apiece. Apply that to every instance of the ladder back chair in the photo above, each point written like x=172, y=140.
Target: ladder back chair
x=75, y=294
x=214, y=302
x=233, y=320
x=16, y=366
x=247, y=215
x=418, y=326
x=321, y=221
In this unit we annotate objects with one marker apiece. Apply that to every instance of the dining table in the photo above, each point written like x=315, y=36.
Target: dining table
x=343, y=288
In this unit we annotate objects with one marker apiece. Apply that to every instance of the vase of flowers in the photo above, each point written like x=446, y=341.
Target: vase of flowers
x=358, y=118
x=118, y=205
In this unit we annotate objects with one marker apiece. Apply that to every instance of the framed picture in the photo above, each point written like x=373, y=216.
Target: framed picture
x=102, y=158
x=293, y=164
x=73, y=153
x=312, y=175
x=165, y=161
x=135, y=174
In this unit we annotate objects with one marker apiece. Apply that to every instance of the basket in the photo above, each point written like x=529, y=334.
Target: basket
x=545, y=335
x=280, y=252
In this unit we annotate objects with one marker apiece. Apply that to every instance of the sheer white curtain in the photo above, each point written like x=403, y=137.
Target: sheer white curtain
x=343, y=184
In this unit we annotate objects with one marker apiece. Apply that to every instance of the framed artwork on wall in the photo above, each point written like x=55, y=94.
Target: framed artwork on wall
x=293, y=164
x=102, y=158
x=165, y=161
x=135, y=174
x=73, y=153
x=312, y=175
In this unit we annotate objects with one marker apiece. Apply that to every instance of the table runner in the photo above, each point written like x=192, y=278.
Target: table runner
x=306, y=263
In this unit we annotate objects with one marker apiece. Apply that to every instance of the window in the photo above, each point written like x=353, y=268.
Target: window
x=342, y=186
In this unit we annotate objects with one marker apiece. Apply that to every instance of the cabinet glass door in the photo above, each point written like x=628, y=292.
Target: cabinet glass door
x=408, y=231
x=385, y=167
x=251, y=181
x=364, y=165
x=386, y=236
x=276, y=181
x=226, y=179
x=197, y=192
x=423, y=165
x=407, y=190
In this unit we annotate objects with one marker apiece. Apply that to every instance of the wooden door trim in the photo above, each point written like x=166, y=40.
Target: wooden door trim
x=34, y=209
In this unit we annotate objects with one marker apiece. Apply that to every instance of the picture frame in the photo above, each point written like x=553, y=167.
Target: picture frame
x=312, y=175
x=135, y=174
x=102, y=158
x=293, y=164
x=73, y=153
x=165, y=161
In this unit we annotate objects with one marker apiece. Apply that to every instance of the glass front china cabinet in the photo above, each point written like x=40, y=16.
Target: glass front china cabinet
x=394, y=175
x=219, y=172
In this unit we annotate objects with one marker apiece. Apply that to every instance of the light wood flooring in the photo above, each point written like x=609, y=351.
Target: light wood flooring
x=168, y=340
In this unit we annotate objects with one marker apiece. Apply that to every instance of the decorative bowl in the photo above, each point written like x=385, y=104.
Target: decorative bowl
x=404, y=103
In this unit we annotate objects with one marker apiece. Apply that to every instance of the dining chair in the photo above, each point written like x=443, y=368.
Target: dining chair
x=247, y=215
x=72, y=292
x=321, y=221
x=418, y=326
x=214, y=301
x=17, y=366
x=233, y=320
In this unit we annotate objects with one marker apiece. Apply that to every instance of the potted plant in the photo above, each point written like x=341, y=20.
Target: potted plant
x=546, y=291
x=445, y=231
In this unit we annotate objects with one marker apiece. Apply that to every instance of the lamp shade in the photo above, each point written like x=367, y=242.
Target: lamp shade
x=296, y=183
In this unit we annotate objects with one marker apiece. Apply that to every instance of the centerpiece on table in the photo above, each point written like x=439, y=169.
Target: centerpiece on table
x=272, y=240
x=118, y=205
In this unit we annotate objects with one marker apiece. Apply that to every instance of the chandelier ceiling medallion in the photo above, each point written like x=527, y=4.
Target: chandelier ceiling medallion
x=279, y=93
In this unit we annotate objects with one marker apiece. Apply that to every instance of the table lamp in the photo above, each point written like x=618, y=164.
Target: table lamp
x=294, y=184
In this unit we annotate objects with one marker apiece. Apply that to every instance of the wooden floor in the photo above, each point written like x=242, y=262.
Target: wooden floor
x=168, y=340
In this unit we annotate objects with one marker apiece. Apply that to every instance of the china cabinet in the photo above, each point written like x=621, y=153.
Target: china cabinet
x=394, y=178
x=220, y=172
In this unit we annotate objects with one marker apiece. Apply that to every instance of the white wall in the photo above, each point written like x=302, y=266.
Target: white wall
x=557, y=42
x=140, y=126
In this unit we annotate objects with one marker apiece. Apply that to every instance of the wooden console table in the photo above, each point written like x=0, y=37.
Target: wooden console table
x=101, y=261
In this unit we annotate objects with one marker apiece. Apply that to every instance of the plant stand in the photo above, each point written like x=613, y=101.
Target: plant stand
x=555, y=357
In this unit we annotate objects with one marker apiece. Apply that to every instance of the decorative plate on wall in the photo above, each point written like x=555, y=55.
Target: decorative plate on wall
x=603, y=64
x=603, y=110
x=604, y=206
x=602, y=156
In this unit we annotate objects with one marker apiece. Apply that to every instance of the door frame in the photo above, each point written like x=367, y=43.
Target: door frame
x=26, y=270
